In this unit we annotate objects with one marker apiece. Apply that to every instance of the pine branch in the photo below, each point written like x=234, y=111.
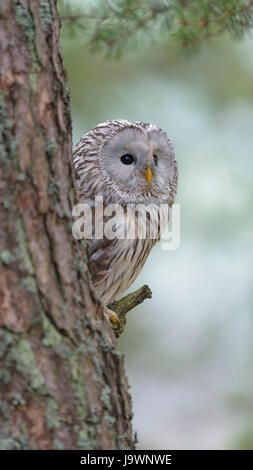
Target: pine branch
x=115, y=25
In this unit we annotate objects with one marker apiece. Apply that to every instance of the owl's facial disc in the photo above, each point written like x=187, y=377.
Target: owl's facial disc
x=137, y=162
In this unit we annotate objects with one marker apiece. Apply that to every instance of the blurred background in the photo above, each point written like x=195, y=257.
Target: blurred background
x=189, y=350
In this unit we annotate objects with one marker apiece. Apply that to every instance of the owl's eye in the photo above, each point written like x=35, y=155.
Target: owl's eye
x=127, y=159
x=155, y=159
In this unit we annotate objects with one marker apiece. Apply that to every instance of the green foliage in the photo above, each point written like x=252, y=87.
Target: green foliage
x=244, y=439
x=115, y=25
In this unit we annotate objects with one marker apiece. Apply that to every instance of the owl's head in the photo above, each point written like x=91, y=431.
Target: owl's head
x=138, y=160
x=135, y=160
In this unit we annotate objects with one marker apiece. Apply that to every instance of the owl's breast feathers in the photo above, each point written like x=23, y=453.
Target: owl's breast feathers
x=116, y=262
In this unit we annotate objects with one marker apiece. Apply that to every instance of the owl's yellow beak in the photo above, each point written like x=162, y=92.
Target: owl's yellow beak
x=148, y=174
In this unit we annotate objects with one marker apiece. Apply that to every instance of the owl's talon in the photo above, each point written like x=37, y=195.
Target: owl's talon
x=113, y=319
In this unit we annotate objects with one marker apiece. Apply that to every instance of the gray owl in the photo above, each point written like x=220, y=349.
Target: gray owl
x=128, y=164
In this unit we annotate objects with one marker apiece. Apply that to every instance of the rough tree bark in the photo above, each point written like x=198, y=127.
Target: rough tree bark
x=63, y=384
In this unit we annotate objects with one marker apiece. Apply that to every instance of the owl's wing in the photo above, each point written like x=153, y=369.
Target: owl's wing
x=100, y=248
x=101, y=255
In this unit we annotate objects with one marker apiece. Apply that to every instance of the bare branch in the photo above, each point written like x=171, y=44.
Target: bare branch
x=122, y=306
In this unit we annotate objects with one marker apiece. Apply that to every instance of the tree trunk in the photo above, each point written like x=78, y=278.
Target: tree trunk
x=63, y=384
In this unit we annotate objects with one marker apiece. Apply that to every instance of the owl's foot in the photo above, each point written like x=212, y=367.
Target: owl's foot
x=113, y=319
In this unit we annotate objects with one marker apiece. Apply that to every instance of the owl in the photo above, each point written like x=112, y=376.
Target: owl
x=126, y=164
